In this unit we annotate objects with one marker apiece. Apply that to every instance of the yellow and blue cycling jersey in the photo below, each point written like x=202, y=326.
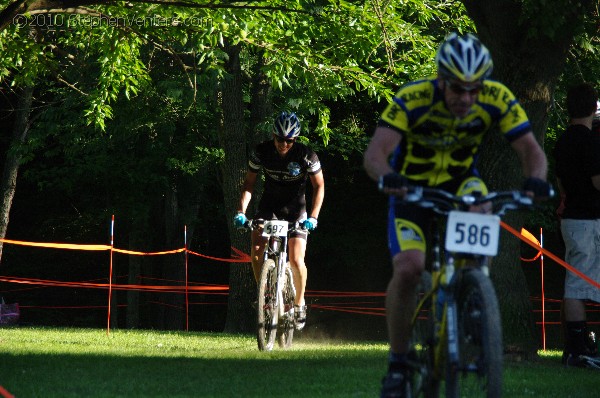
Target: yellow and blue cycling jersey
x=437, y=146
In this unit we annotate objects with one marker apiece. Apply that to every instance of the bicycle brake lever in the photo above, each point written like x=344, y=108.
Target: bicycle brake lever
x=414, y=194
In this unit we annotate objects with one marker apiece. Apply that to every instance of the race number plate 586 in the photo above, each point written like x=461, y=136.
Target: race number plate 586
x=473, y=233
x=275, y=228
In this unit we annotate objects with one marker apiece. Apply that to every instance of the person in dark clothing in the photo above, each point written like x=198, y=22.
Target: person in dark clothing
x=287, y=165
x=577, y=155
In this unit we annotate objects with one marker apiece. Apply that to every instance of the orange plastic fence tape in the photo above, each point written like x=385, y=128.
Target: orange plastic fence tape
x=243, y=258
x=148, y=253
x=215, y=289
x=550, y=255
x=533, y=239
x=57, y=245
x=238, y=257
x=5, y=393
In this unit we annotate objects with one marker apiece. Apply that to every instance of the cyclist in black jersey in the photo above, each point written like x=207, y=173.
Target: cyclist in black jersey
x=287, y=165
x=432, y=130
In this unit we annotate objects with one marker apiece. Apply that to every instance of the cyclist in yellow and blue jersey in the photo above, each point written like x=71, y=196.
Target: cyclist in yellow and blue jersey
x=437, y=146
x=432, y=131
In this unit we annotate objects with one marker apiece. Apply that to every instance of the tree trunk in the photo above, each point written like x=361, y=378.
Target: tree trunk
x=242, y=287
x=528, y=66
x=260, y=106
x=11, y=163
x=174, y=267
x=260, y=121
x=137, y=242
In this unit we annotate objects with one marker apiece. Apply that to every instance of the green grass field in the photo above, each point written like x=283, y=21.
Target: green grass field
x=62, y=362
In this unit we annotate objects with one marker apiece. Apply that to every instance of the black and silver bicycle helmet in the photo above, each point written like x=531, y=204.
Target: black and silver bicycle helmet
x=464, y=58
x=287, y=125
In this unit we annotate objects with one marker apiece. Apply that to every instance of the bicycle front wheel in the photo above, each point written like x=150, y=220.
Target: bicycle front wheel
x=267, y=306
x=424, y=381
x=286, y=323
x=479, y=371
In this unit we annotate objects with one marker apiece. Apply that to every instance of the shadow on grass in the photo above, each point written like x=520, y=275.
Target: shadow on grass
x=276, y=375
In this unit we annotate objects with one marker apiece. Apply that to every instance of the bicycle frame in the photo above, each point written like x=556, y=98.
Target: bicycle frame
x=276, y=291
x=444, y=275
x=276, y=249
x=456, y=325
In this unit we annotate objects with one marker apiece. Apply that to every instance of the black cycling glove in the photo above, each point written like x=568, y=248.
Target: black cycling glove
x=392, y=181
x=539, y=187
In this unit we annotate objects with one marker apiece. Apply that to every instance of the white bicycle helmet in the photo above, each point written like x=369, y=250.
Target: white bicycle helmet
x=464, y=58
x=287, y=125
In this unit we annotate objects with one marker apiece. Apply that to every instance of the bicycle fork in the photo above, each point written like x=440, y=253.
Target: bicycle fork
x=451, y=330
x=281, y=259
x=280, y=284
x=447, y=309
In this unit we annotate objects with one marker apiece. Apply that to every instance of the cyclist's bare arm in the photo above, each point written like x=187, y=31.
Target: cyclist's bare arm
x=318, y=184
x=532, y=157
x=596, y=181
x=376, y=158
x=247, y=189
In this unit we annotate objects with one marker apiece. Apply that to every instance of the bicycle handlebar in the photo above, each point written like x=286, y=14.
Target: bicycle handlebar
x=443, y=202
x=292, y=226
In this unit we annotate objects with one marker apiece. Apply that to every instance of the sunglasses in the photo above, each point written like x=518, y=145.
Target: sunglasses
x=286, y=140
x=461, y=89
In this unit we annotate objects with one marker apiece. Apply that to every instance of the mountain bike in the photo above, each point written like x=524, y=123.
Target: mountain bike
x=276, y=291
x=457, y=331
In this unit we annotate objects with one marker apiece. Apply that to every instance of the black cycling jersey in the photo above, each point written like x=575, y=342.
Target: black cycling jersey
x=285, y=178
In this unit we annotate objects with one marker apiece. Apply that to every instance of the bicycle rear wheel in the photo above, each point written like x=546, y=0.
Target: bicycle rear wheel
x=424, y=382
x=267, y=307
x=286, y=324
x=479, y=371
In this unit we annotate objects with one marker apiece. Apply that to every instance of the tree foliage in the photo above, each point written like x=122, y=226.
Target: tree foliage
x=129, y=93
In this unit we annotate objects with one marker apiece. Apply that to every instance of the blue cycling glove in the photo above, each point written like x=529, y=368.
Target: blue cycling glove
x=310, y=224
x=239, y=220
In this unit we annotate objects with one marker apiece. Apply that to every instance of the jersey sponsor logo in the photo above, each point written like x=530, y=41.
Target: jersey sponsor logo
x=493, y=92
x=293, y=169
x=498, y=93
x=283, y=176
x=409, y=235
x=515, y=115
x=465, y=134
x=416, y=95
x=313, y=167
x=393, y=111
x=253, y=165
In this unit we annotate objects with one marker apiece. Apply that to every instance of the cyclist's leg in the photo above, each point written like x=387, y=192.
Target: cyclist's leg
x=257, y=251
x=406, y=239
x=296, y=253
x=401, y=297
x=296, y=248
x=407, y=247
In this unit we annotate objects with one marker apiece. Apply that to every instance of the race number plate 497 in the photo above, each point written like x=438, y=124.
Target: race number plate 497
x=473, y=233
x=275, y=228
